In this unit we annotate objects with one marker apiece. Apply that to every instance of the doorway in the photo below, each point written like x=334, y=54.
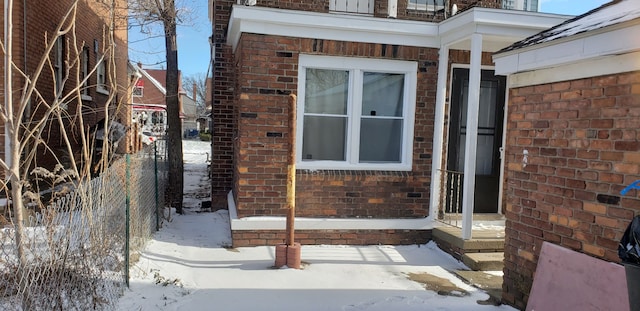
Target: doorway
x=490, y=131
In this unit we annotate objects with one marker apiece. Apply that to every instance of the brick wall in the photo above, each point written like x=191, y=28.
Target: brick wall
x=250, y=101
x=332, y=237
x=225, y=89
x=39, y=22
x=380, y=7
x=583, y=142
x=268, y=75
x=222, y=108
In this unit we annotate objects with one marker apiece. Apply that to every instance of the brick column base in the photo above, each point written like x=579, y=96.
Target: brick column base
x=288, y=255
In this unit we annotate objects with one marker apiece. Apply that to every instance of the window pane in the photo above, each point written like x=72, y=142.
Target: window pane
x=380, y=140
x=326, y=91
x=382, y=94
x=487, y=109
x=324, y=138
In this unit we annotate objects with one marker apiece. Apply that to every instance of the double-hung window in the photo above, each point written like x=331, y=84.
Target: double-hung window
x=58, y=66
x=84, y=74
x=425, y=5
x=355, y=113
x=101, y=72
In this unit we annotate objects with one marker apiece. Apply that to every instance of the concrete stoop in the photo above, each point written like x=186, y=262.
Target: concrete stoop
x=485, y=251
x=484, y=261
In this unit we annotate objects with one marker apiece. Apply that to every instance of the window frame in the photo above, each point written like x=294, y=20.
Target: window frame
x=424, y=7
x=133, y=92
x=356, y=68
x=101, y=84
x=84, y=74
x=58, y=66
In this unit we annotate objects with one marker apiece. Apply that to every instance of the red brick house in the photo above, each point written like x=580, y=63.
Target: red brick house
x=82, y=52
x=149, y=103
x=573, y=139
x=374, y=83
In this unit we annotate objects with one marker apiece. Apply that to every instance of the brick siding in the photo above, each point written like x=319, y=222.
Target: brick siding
x=269, y=73
x=250, y=140
x=380, y=8
x=41, y=19
x=332, y=237
x=583, y=141
x=222, y=107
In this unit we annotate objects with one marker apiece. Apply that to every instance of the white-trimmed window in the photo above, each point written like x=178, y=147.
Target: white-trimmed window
x=138, y=91
x=138, y=88
x=58, y=66
x=101, y=73
x=84, y=73
x=355, y=113
x=425, y=5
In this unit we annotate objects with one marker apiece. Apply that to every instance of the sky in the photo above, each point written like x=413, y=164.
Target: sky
x=193, y=39
x=193, y=42
x=570, y=7
x=188, y=265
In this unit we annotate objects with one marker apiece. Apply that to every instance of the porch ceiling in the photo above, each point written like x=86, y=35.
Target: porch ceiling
x=499, y=28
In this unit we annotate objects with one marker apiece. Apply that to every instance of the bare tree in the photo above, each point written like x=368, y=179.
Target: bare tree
x=165, y=12
x=33, y=114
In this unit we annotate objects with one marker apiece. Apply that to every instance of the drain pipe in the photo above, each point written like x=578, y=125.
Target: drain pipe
x=8, y=87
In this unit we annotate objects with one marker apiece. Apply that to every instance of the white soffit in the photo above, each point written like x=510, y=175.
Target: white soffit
x=499, y=28
x=610, y=41
x=301, y=24
x=593, y=67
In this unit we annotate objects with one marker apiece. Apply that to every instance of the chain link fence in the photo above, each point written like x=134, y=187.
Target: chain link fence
x=74, y=254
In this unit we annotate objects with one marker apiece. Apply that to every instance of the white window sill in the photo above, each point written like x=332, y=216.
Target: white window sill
x=102, y=91
x=330, y=165
x=86, y=98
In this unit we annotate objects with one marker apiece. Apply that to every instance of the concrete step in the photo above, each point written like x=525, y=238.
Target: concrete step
x=484, y=261
x=484, y=241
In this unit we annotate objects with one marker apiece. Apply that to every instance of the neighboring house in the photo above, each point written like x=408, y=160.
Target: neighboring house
x=149, y=104
x=82, y=52
x=382, y=88
x=190, y=114
x=204, y=120
x=573, y=139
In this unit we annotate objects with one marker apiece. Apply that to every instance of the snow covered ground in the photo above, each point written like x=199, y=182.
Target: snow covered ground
x=189, y=266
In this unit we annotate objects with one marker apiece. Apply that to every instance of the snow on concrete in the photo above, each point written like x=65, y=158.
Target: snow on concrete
x=187, y=267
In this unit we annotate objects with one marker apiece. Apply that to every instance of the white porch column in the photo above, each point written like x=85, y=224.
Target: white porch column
x=471, y=143
x=438, y=131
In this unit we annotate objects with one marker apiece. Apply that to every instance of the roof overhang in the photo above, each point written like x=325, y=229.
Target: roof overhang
x=153, y=81
x=610, y=41
x=302, y=24
x=499, y=28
